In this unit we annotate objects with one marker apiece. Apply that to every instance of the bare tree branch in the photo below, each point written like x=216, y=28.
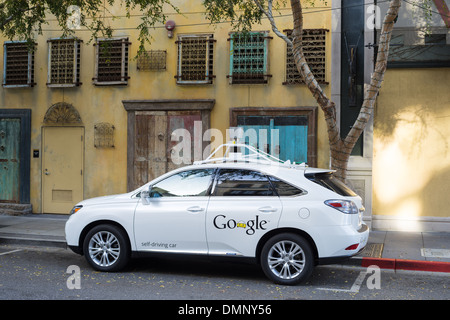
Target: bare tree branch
x=269, y=15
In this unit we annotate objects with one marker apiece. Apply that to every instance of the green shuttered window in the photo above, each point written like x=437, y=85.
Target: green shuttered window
x=249, y=57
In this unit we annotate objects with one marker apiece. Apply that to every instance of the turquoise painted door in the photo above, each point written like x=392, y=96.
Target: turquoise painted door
x=285, y=137
x=9, y=160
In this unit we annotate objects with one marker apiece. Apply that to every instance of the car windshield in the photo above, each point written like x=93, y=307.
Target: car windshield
x=327, y=180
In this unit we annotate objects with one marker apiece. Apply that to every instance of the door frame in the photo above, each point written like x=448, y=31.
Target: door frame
x=24, y=149
x=132, y=106
x=309, y=112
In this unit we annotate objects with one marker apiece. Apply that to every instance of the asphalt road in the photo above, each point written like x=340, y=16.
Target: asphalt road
x=35, y=273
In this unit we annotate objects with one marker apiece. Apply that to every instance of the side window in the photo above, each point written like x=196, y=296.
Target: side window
x=237, y=182
x=284, y=189
x=191, y=183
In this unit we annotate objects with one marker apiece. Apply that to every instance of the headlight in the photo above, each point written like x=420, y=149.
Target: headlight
x=75, y=209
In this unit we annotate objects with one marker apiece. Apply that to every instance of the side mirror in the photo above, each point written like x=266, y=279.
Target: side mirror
x=145, y=196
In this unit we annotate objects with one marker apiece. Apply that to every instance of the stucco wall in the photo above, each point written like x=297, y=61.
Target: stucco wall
x=411, y=165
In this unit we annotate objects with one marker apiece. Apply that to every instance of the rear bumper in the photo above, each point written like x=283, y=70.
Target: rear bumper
x=336, y=247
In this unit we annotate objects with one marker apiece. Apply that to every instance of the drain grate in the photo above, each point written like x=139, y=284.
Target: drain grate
x=373, y=250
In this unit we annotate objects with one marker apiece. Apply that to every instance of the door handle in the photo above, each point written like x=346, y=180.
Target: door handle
x=195, y=209
x=46, y=172
x=267, y=209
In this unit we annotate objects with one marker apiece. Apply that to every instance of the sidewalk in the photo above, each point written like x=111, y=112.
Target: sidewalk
x=420, y=251
x=33, y=229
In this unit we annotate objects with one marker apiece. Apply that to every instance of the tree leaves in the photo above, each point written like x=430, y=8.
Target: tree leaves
x=23, y=19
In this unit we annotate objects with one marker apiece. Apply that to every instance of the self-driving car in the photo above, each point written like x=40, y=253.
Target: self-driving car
x=286, y=217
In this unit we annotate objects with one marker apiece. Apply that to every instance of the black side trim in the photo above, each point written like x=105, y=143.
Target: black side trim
x=332, y=260
x=193, y=256
x=76, y=249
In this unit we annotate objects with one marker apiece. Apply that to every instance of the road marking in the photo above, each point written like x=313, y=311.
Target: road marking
x=355, y=287
x=17, y=250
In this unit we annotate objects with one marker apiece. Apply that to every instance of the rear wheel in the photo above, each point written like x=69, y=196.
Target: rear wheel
x=106, y=248
x=287, y=259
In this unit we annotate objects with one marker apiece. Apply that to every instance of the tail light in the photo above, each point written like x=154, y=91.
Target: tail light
x=345, y=206
x=352, y=247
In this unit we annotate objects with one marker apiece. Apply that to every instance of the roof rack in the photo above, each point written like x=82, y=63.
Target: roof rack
x=247, y=154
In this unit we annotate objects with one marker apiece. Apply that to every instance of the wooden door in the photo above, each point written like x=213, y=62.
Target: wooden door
x=9, y=160
x=62, y=168
x=157, y=142
x=182, y=147
x=150, y=159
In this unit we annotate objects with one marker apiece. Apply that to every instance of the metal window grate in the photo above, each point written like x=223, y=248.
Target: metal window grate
x=19, y=65
x=314, y=46
x=64, y=63
x=195, y=59
x=112, y=62
x=249, y=57
x=152, y=60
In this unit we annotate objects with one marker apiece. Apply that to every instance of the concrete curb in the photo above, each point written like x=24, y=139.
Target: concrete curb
x=33, y=240
x=401, y=264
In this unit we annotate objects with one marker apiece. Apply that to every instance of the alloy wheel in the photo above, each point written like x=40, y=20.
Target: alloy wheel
x=286, y=259
x=104, y=248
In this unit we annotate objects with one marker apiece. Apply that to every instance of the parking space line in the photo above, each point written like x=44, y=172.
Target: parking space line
x=8, y=252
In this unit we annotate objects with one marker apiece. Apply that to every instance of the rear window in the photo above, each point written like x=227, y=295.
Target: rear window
x=285, y=189
x=327, y=180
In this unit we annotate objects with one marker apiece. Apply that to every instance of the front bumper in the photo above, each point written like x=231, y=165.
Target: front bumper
x=76, y=249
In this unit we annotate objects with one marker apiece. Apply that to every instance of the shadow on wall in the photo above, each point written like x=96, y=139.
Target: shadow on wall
x=411, y=164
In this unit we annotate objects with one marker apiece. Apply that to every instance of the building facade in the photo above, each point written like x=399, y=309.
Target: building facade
x=97, y=119
x=400, y=163
x=81, y=118
x=411, y=158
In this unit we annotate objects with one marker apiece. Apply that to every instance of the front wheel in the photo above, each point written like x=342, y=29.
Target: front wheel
x=106, y=248
x=287, y=259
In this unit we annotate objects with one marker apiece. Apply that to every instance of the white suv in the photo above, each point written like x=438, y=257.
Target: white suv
x=286, y=217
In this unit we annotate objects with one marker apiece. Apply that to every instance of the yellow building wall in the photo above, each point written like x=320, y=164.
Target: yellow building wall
x=411, y=164
x=105, y=170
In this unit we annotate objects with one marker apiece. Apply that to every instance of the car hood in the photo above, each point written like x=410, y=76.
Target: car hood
x=105, y=199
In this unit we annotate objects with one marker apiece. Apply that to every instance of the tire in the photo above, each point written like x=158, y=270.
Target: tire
x=287, y=259
x=106, y=248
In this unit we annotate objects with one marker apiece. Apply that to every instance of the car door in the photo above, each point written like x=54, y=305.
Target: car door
x=173, y=217
x=242, y=208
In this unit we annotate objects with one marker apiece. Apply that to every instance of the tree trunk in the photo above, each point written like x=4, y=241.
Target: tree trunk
x=340, y=149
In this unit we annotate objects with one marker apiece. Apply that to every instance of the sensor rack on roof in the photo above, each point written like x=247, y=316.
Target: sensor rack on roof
x=247, y=154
